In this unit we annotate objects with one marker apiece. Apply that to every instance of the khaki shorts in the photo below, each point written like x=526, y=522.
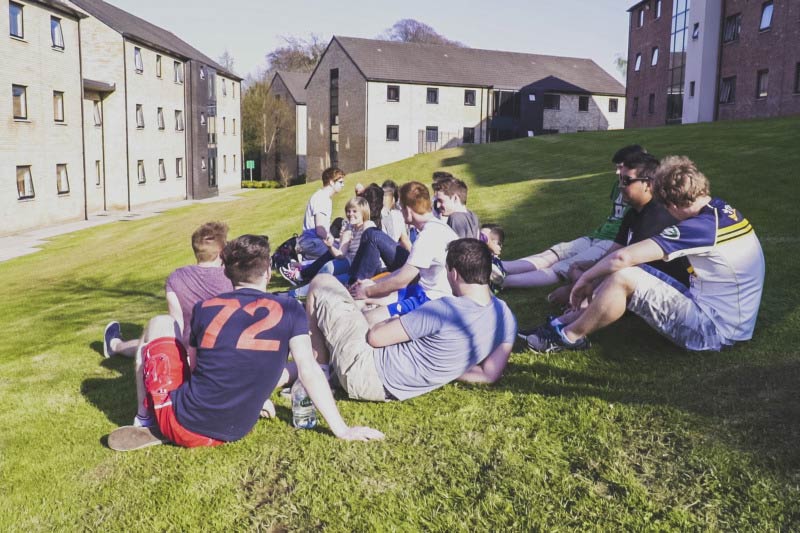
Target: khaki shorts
x=667, y=306
x=345, y=331
x=580, y=249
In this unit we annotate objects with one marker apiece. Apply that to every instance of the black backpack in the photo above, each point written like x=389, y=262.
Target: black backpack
x=286, y=253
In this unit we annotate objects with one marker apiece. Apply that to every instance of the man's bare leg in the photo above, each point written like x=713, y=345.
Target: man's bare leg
x=126, y=348
x=531, y=263
x=535, y=278
x=607, y=306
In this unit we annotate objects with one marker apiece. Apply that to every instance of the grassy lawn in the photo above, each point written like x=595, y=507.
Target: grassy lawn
x=633, y=434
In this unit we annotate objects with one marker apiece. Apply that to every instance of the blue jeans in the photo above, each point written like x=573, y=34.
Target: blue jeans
x=376, y=246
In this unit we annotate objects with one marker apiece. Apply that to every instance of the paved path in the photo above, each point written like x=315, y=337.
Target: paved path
x=31, y=241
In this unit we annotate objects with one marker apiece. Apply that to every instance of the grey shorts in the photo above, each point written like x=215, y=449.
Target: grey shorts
x=345, y=331
x=667, y=306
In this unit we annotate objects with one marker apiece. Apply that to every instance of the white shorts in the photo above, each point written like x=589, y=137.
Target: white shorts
x=580, y=249
x=666, y=305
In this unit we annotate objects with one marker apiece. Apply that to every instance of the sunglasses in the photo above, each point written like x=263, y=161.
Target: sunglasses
x=624, y=181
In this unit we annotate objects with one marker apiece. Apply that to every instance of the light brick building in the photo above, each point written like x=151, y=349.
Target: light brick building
x=372, y=102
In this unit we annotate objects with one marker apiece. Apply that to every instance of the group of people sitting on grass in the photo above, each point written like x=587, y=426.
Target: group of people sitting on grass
x=400, y=304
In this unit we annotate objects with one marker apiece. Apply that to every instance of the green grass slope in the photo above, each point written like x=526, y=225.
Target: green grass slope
x=633, y=434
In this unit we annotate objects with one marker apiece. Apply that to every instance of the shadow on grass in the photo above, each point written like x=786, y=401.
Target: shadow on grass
x=115, y=397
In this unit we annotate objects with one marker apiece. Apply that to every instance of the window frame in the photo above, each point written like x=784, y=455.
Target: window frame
x=581, y=100
x=657, y=9
x=615, y=107
x=654, y=56
x=139, y=117
x=797, y=78
x=651, y=104
x=24, y=101
x=224, y=163
x=635, y=106
x=729, y=83
x=138, y=61
x=233, y=126
x=159, y=71
x=178, y=167
x=202, y=72
x=98, y=170
x=550, y=106
x=177, y=72
x=56, y=30
x=224, y=87
x=180, y=125
x=762, y=84
x=731, y=25
x=234, y=162
x=21, y=20
x=224, y=125
x=467, y=94
x=396, y=128
x=637, y=63
x=464, y=135
x=97, y=113
x=59, y=168
x=141, y=174
x=767, y=8
x=696, y=31
x=432, y=91
x=389, y=89
x=160, y=119
x=58, y=107
x=691, y=89
x=162, y=170
x=428, y=131
x=640, y=18
x=29, y=181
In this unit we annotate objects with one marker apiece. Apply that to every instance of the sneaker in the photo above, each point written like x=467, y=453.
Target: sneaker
x=129, y=438
x=549, y=340
x=292, y=275
x=525, y=333
x=144, y=422
x=112, y=332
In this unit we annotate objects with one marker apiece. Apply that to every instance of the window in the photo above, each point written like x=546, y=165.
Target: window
x=56, y=35
x=432, y=134
x=224, y=163
x=766, y=16
x=635, y=108
x=224, y=88
x=638, y=63
x=233, y=90
x=506, y=104
x=179, y=126
x=733, y=24
x=583, y=103
x=727, y=90
x=202, y=73
x=797, y=78
x=392, y=133
x=160, y=118
x=552, y=101
x=469, y=135
x=613, y=105
x=469, y=97
x=224, y=125
x=202, y=163
x=158, y=66
x=658, y=9
x=392, y=93
x=651, y=104
x=696, y=30
x=654, y=56
x=202, y=119
x=24, y=183
x=212, y=171
x=233, y=126
x=139, y=116
x=140, y=171
x=137, y=60
x=691, y=88
x=97, y=112
x=162, y=171
x=19, y=95
x=58, y=106
x=234, y=162
x=762, y=80
x=178, y=71
x=15, y=21
x=62, y=180
x=98, y=172
x=179, y=167
x=640, y=22
x=432, y=96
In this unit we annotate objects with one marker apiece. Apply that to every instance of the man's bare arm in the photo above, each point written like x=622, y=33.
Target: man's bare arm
x=490, y=369
x=387, y=333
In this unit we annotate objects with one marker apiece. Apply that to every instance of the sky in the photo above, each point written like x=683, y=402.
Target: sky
x=249, y=29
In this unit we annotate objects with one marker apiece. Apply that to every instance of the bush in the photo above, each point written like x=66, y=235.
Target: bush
x=248, y=184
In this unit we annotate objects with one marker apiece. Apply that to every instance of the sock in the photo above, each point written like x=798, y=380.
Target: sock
x=114, y=344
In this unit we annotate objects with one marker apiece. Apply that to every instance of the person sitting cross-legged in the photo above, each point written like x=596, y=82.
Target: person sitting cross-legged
x=241, y=341
x=720, y=306
x=467, y=336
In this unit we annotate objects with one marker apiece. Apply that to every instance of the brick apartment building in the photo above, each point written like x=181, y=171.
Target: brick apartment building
x=709, y=60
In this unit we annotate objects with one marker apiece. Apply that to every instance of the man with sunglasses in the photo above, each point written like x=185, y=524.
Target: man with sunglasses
x=721, y=305
x=317, y=220
x=552, y=265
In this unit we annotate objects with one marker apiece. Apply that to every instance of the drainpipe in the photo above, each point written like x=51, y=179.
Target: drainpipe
x=127, y=133
x=83, y=127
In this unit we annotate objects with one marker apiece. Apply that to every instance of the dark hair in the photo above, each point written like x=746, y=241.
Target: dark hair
x=329, y=175
x=452, y=187
x=208, y=240
x=441, y=175
x=625, y=151
x=246, y=258
x=391, y=186
x=373, y=194
x=497, y=230
x=416, y=197
x=645, y=164
x=472, y=260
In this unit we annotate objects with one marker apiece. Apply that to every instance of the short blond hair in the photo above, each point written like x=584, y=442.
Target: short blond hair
x=360, y=203
x=678, y=182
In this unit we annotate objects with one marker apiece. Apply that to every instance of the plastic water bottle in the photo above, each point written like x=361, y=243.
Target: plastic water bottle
x=304, y=416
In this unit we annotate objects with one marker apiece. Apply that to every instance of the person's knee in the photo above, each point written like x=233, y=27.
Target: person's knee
x=161, y=326
x=624, y=279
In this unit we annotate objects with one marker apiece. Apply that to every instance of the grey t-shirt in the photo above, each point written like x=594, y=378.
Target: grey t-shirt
x=448, y=336
x=465, y=224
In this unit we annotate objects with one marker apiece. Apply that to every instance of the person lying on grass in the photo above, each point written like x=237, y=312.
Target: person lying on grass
x=467, y=336
x=241, y=341
x=184, y=287
x=721, y=304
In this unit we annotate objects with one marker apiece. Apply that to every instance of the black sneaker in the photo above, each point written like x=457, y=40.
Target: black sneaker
x=548, y=340
x=524, y=333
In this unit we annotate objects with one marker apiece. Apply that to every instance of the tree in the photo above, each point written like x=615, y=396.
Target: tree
x=622, y=65
x=297, y=54
x=267, y=124
x=414, y=31
x=226, y=61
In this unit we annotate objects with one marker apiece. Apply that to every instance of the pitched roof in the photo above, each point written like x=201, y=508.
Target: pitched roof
x=135, y=28
x=452, y=65
x=60, y=7
x=295, y=82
